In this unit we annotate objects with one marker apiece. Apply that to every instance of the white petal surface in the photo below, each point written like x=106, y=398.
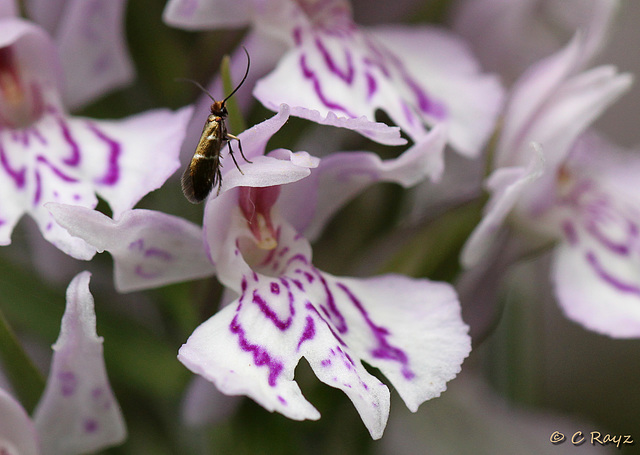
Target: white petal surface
x=91, y=42
x=507, y=186
x=17, y=433
x=149, y=248
x=288, y=309
x=207, y=14
x=78, y=412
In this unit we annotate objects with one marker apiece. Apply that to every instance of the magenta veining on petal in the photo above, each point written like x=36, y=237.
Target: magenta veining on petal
x=112, y=174
x=261, y=356
x=609, y=278
x=384, y=350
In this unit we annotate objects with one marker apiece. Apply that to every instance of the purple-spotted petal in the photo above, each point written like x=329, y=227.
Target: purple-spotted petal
x=414, y=75
x=149, y=248
x=310, y=203
x=507, y=185
x=462, y=97
x=90, y=40
x=288, y=309
x=205, y=14
x=410, y=329
x=78, y=412
x=67, y=160
x=17, y=433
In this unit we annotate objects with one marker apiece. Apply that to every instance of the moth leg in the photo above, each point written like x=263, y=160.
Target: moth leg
x=234, y=158
x=218, y=177
x=231, y=136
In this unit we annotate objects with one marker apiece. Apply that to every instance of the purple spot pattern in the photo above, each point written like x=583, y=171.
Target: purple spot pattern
x=68, y=383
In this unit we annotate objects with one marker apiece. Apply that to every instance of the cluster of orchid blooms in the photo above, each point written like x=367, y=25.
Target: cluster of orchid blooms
x=553, y=183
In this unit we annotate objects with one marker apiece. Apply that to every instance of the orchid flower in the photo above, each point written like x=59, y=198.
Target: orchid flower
x=510, y=36
x=77, y=412
x=47, y=155
x=285, y=308
x=572, y=195
x=339, y=74
x=89, y=36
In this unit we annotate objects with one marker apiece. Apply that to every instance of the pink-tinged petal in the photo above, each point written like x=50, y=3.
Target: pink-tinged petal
x=78, y=412
x=204, y=404
x=509, y=36
x=149, y=248
x=310, y=203
x=552, y=107
x=414, y=332
x=17, y=433
x=445, y=67
x=91, y=42
x=597, y=286
x=507, y=185
x=141, y=153
x=270, y=171
x=207, y=14
x=8, y=8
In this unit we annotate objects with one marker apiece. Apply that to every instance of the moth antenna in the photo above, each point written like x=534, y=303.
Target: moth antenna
x=197, y=84
x=244, y=78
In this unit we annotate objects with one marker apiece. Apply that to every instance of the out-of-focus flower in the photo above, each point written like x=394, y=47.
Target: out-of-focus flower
x=288, y=309
x=90, y=40
x=339, y=74
x=47, y=155
x=511, y=35
x=573, y=195
x=77, y=412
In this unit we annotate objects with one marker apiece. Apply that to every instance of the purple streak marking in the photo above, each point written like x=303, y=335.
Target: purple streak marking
x=346, y=76
x=270, y=314
x=17, y=176
x=384, y=350
x=309, y=74
x=158, y=253
x=570, y=232
x=74, y=159
x=115, y=149
x=38, y=192
x=326, y=362
x=275, y=289
x=260, y=355
x=309, y=331
x=147, y=275
x=618, y=248
x=610, y=279
x=56, y=171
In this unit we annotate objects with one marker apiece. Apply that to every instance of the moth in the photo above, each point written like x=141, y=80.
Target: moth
x=204, y=170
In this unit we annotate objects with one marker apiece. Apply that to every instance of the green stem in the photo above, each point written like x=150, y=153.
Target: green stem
x=236, y=120
x=23, y=375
